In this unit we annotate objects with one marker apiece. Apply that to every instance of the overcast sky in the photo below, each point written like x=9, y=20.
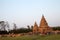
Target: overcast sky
x=26, y=12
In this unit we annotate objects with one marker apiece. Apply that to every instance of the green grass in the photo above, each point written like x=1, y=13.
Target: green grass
x=33, y=37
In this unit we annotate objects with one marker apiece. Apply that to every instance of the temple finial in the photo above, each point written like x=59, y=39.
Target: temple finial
x=42, y=15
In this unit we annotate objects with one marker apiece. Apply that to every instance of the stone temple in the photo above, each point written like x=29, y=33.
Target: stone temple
x=43, y=28
x=35, y=28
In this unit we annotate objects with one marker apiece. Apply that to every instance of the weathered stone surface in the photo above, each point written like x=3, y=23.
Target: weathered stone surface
x=43, y=27
x=35, y=28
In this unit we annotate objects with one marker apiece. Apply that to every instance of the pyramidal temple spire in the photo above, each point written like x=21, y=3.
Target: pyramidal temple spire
x=35, y=28
x=43, y=27
x=35, y=24
x=43, y=22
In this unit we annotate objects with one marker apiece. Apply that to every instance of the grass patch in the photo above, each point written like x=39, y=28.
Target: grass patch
x=33, y=37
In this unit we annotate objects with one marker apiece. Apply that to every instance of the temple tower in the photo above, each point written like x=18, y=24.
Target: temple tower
x=35, y=28
x=43, y=27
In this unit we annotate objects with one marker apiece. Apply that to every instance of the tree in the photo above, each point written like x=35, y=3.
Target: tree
x=28, y=27
x=15, y=27
x=7, y=25
x=2, y=25
x=31, y=27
